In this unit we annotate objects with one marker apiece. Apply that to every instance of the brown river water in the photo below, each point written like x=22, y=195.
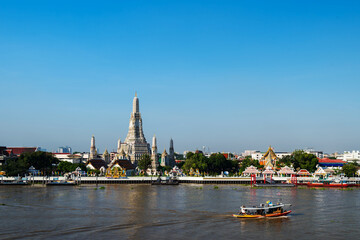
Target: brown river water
x=187, y=211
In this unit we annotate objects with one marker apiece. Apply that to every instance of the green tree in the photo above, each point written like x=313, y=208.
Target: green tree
x=180, y=164
x=217, y=163
x=179, y=156
x=42, y=161
x=16, y=166
x=65, y=166
x=285, y=161
x=70, y=167
x=189, y=155
x=303, y=160
x=144, y=162
x=213, y=165
x=196, y=161
x=349, y=169
x=247, y=162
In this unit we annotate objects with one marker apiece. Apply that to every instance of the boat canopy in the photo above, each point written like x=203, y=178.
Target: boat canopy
x=265, y=207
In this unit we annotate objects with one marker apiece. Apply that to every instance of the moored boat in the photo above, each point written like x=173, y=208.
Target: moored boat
x=168, y=181
x=267, y=210
x=16, y=181
x=328, y=183
x=57, y=182
x=66, y=183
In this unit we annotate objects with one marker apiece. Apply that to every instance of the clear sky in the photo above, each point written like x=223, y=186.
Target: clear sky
x=228, y=75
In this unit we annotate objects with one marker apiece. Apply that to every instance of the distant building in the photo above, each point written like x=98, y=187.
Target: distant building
x=351, y=156
x=249, y=152
x=68, y=157
x=64, y=150
x=318, y=154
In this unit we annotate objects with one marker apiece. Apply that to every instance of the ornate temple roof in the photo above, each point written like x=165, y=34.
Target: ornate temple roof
x=123, y=164
x=269, y=158
x=286, y=170
x=97, y=163
x=303, y=172
x=251, y=170
x=268, y=170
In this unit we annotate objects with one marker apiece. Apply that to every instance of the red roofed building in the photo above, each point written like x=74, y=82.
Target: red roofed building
x=326, y=162
x=20, y=150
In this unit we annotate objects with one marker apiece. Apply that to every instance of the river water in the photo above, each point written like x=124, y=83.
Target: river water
x=187, y=211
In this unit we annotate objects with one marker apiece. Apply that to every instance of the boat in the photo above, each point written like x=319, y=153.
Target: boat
x=168, y=181
x=329, y=183
x=57, y=182
x=16, y=181
x=267, y=210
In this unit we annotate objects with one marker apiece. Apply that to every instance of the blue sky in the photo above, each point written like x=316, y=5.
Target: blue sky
x=229, y=75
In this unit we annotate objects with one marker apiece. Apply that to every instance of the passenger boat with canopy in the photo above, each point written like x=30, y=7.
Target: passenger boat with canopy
x=264, y=211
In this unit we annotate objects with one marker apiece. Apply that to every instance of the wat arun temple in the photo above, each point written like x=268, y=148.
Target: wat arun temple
x=135, y=144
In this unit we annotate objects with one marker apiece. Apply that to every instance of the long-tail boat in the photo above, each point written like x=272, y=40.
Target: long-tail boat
x=267, y=210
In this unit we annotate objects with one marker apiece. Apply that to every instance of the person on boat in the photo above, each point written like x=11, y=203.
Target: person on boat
x=242, y=210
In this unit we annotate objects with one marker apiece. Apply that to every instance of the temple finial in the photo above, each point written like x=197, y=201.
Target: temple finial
x=135, y=94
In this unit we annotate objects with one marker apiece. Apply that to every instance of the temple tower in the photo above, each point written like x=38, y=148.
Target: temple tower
x=118, y=150
x=154, y=157
x=106, y=156
x=135, y=144
x=92, y=148
x=171, y=154
x=164, y=159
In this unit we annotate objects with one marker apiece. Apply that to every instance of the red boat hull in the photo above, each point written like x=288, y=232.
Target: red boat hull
x=336, y=185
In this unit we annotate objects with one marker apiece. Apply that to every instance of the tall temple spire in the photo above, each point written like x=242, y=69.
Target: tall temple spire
x=92, y=148
x=136, y=104
x=154, y=156
x=171, y=149
x=154, y=145
x=171, y=154
x=118, y=146
x=135, y=144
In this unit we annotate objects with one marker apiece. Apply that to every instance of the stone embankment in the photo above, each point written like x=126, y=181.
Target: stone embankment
x=148, y=180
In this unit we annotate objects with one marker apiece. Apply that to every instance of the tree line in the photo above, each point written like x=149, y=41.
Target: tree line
x=45, y=162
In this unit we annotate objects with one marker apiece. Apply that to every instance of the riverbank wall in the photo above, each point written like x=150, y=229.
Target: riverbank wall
x=148, y=180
